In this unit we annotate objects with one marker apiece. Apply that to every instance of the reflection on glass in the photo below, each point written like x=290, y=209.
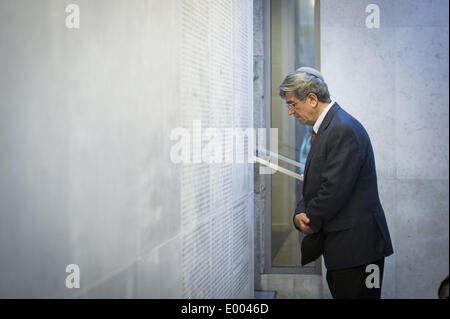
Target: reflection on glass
x=292, y=46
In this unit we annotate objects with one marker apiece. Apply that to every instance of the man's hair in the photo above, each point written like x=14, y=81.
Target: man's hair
x=303, y=81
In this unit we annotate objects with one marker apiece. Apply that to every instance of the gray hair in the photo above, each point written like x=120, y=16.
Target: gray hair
x=303, y=81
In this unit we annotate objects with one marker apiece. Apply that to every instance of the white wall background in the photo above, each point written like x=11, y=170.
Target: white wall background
x=395, y=81
x=86, y=177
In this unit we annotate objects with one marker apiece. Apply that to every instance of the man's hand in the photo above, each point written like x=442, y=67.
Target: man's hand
x=302, y=220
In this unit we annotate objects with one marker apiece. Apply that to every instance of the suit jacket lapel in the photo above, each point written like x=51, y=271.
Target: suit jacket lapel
x=323, y=126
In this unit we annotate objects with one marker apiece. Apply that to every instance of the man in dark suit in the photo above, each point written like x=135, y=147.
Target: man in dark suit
x=340, y=211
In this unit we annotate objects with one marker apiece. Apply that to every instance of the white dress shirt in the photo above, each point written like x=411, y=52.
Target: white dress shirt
x=321, y=117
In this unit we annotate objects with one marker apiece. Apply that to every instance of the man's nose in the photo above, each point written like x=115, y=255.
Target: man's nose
x=291, y=111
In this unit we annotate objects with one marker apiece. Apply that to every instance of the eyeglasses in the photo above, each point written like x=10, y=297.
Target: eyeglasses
x=291, y=105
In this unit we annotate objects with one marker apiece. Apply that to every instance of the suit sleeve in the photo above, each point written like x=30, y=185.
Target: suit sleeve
x=299, y=209
x=340, y=171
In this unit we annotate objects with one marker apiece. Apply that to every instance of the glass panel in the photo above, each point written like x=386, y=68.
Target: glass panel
x=292, y=46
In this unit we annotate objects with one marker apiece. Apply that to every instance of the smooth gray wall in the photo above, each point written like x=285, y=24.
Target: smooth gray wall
x=395, y=81
x=86, y=176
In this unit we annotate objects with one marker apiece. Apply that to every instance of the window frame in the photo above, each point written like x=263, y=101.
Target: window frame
x=267, y=241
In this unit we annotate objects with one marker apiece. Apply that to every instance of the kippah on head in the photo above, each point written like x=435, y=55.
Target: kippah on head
x=311, y=71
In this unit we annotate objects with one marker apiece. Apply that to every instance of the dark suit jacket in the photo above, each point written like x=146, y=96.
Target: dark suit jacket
x=340, y=196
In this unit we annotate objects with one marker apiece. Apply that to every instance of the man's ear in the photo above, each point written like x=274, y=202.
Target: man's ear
x=312, y=99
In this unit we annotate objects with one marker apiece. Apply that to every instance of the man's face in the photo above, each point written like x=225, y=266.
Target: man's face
x=305, y=112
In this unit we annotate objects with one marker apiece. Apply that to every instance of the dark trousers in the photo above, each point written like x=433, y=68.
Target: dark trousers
x=356, y=283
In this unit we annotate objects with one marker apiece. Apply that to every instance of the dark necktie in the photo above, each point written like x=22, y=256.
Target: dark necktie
x=313, y=136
